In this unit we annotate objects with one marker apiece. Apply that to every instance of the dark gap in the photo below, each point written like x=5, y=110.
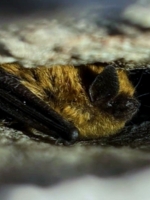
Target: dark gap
x=142, y=88
x=87, y=76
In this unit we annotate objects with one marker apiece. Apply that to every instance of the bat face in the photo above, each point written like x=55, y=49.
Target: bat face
x=74, y=102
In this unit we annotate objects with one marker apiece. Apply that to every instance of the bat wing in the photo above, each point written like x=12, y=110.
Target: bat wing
x=19, y=102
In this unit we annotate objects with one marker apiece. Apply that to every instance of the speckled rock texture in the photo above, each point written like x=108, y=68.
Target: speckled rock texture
x=72, y=41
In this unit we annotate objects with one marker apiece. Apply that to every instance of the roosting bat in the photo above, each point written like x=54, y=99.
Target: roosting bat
x=68, y=102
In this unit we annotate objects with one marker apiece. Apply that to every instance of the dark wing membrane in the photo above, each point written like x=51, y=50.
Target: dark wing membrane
x=19, y=102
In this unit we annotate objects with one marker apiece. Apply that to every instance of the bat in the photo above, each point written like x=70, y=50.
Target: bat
x=68, y=102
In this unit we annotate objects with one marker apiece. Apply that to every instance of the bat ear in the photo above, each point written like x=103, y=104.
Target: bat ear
x=105, y=85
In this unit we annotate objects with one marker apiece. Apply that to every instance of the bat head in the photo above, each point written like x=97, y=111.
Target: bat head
x=114, y=94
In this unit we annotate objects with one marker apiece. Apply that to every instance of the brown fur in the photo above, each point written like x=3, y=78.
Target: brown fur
x=62, y=89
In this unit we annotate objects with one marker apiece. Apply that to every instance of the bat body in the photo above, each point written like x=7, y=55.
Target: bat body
x=85, y=102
